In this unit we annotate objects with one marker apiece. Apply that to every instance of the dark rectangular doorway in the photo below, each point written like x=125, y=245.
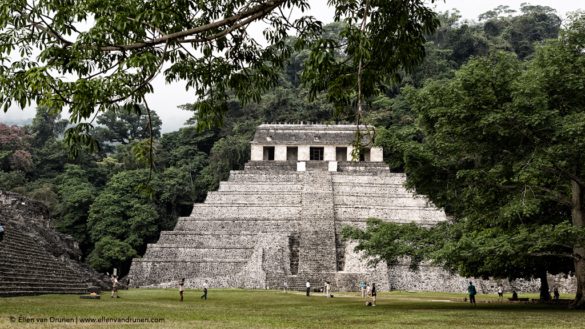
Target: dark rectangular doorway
x=268, y=153
x=316, y=153
x=341, y=154
x=292, y=153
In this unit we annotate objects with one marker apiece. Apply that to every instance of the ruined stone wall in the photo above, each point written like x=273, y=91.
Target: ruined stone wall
x=433, y=278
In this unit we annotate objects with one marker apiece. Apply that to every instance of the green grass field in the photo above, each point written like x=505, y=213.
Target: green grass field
x=274, y=309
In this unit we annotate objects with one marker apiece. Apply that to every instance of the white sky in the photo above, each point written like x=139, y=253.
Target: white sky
x=167, y=97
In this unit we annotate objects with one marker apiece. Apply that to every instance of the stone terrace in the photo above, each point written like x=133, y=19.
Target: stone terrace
x=268, y=224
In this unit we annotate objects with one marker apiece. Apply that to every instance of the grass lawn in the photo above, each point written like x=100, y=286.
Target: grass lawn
x=229, y=308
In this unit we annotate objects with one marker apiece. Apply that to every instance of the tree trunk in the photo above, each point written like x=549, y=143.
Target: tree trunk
x=544, y=288
x=578, y=251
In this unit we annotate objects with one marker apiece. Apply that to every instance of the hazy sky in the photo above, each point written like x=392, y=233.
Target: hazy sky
x=167, y=97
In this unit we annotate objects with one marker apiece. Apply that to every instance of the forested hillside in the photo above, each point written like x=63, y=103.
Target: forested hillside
x=114, y=204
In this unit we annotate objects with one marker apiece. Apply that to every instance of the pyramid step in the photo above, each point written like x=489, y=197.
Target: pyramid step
x=24, y=253
x=49, y=290
x=43, y=284
x=189, y=253
x=395, y=214
x=267, y=198
x=390, y=179
x=376, y=201
x=234, y=226
x=32, y=274
x=38, y=261
x=33, y=268
x=229, y=211
x=38, y=278
x=197, y=240
x=258, y=187
x=22, y=292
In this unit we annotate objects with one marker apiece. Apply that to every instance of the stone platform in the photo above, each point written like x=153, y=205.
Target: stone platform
x=269, y=224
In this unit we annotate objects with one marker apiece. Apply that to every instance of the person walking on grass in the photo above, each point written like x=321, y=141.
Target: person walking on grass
x=308, y=286
x=285, y=286
x=115, y=286
x=500, y=293
x=374, y=293
x=181, y=288
x=327, y=289
x=472, y=292
x=363, y=288
x=205, y=286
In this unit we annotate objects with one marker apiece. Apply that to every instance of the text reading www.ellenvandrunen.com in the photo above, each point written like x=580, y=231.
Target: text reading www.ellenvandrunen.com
x=103, y=319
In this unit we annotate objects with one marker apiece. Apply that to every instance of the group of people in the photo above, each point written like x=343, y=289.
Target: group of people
x=368, y=291
x=116, y=284
x=326, y=288
x=472, y=291
x=182, y=289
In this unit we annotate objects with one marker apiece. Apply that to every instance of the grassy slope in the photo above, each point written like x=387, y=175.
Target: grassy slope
x=271, y=309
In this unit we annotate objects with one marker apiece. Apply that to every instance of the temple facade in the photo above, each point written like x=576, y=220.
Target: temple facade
x=279, y=220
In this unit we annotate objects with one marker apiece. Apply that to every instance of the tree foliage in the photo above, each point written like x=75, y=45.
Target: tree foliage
x=499, y=146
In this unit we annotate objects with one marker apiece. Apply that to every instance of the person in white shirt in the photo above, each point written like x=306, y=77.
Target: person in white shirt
x=308, y=285
x=205, y=286
x=115, y=286
x=500, y=293
x=327, y=289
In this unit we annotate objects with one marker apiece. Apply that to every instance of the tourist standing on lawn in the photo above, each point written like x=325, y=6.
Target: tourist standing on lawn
x=500, y=293
x=205, y=286
x=363, y=288
x=285, y=285
x=472, y=292
x=327, y=289
x=308, y=286
x=374, y=293
x=181, y=288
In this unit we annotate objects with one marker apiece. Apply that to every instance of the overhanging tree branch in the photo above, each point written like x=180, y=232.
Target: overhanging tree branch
x=257, y=12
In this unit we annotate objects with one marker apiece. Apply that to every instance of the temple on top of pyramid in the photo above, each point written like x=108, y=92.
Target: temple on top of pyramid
x=280, y=219
x=331, y=143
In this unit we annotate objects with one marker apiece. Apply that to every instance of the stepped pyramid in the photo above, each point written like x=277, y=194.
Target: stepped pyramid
x=280, y=218
x=34, y=259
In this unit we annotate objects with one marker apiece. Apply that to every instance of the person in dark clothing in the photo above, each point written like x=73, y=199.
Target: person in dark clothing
x=1, y=232
x=181, y=288
x=472, y=292
x=373, y=294
x=308, y=285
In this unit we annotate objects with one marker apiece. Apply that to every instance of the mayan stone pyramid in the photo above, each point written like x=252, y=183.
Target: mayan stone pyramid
x=280, y=219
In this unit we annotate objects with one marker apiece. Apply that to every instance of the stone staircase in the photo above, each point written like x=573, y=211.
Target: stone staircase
x=28, y=269
x=222, y=237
